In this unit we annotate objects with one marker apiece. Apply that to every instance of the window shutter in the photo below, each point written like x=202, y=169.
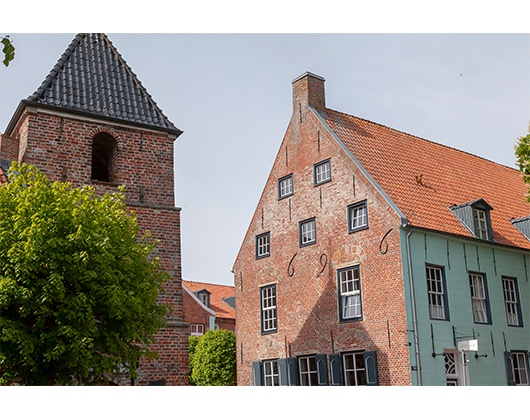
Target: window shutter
x=292, y=372
x=256, y=373
x=322, y=369
x=370, y=364
x=282, y=369
x=509, y=367
x=335, y=369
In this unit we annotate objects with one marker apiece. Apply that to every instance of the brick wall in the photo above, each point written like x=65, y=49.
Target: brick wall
x=61, y=147
x=306, y=277
x=8, y=148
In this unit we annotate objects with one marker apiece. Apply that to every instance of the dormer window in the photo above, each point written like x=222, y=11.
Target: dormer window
x=475, y=216
x=204, y=297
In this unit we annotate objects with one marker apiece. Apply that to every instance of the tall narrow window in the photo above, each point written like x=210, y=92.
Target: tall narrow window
x=103, y=157
x=269, y=321
x=357, y=217
x=263, y=245
x=479, y=298
x=511, y=302
x=308, y=232
x=285, y=187
x=271, y=376
x=481, y=226
x=322, y=172
x=517, y=367
x=350, y=293
x=436, y=291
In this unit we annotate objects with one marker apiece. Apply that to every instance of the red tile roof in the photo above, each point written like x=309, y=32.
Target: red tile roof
x=424, y=178
x=218, y=293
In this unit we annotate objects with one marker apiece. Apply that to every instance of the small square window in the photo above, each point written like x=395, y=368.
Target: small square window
x=271, y=375
x=197, y=329
x=308, y=232
x=263, y=245
x=285, y=187
x=322, y=172
x=357, y=217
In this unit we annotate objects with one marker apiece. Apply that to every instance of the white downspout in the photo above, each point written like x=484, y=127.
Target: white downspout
x=413, y=304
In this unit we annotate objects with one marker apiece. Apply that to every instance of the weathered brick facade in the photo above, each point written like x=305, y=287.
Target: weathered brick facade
x=61, y=141
x=306, y=276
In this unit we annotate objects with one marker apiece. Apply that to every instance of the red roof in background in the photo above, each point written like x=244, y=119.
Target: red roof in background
x=218, y=292
x=424, y=178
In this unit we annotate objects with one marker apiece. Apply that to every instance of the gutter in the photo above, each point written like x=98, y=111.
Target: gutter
x=413, y=305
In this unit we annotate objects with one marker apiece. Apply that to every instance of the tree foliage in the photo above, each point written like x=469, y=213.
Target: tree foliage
x=522, y=152
x=78, y=287
x=214, y=359
x=8, y=50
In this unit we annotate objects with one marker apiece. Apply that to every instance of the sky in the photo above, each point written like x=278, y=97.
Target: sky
x=230, y=93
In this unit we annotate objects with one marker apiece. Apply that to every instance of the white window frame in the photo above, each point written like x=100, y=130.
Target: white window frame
x=350, y=293
x=356, y=368
x=519, y=368
x=263, y=245
x=307, y=367
x=357, y=216
x=436, y=292
x=269, y=309
x=285, y=186
x=511, y=303
x=271, y=374
x=197, y=329
x=479, y=298
x=308, y=232
x=322, y=172
x=481, y=224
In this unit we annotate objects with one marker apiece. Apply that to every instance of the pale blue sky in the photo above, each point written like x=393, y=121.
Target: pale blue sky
x=231, y=95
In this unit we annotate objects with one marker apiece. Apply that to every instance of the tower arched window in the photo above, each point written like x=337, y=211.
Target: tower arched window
x=103, y=157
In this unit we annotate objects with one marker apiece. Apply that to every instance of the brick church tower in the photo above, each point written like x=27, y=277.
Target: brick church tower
x=92, y=122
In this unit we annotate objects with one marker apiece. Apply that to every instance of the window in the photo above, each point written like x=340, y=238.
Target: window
x=269, y=321
x=263, y=245
x=103, y=157
x=453, y=368
x=308, y=232
x=481, y=227
x=285, y=187
x=204, y=297
x=197, y=329
x=271, y=376
x=511, y=302
x=322, y=172
x=307, y=366
x=357, y=217
x=436, y=291
x=354, y=371
x=517, y=368
x=479, y=298
x=350, y=293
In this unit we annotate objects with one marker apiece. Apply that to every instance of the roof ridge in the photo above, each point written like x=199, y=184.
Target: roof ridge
x=204, y=282
x=423, y=139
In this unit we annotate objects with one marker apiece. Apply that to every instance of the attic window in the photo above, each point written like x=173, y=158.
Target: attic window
x=522, y=225
x=204, y=297
x=103, y=157
x=475, y=216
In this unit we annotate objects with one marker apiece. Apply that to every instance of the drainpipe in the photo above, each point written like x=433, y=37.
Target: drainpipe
x=413, y=304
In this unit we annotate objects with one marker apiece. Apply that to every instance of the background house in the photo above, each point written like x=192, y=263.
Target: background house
x=92, y=122
x=208, y=306
x=377, y=257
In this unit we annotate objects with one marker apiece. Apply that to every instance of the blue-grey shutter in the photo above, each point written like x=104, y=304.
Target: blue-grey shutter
x=322, y=369
x=508, y=359
x=292, y=372
x=256, y=373
x=282, y=370
x=370, y=364
x=335, y=369
x=465, y=215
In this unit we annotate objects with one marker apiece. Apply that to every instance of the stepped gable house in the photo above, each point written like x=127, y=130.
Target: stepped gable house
x=92, y=122
x=375, y=257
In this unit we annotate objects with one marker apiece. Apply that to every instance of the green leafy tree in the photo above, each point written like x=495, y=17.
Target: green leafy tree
x=522, y=152
x=78, y=286
x=193, y=340
x=214, y=359
x=8, y=50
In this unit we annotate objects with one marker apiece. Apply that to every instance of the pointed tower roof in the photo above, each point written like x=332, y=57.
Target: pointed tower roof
x=92, y=78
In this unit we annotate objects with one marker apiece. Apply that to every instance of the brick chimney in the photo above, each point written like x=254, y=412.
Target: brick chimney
x=308, y=90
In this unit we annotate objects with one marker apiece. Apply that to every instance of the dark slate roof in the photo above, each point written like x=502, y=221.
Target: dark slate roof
x=91, y=77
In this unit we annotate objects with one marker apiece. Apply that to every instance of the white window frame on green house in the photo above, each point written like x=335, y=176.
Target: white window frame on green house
x=438, y=307
x=479, y=298
x=511, y=302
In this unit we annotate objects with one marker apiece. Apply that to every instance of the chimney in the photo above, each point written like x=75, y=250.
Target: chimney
x=308, y=90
